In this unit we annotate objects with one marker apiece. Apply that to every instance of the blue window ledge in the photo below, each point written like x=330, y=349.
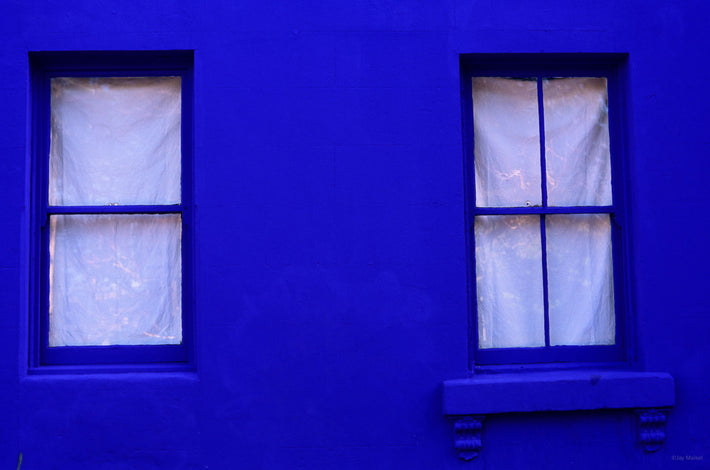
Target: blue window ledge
x=470, y=400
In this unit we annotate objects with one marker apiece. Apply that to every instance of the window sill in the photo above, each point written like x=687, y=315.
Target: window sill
x=470, y=400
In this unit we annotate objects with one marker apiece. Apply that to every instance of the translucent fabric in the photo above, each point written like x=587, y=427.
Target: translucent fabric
x=506, y=142
x=580, y=279
x=115, y=279
x=115, y=141
x=577, y=142
x=509, y=286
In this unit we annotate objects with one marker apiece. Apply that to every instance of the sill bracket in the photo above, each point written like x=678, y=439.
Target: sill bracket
x=467, y=436
x=652, y=428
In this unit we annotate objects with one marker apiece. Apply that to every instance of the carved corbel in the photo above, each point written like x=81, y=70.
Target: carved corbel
x=467, y=436
x=652, y=428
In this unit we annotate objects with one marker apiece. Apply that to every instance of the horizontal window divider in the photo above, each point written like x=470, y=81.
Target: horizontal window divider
x=151, y=209
x=543, y=210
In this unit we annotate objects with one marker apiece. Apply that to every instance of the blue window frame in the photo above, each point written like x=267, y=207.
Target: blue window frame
x=538, y=70
x=102, y=67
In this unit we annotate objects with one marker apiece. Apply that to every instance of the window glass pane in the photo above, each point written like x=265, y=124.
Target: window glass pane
x=577, y=142
x=115, y=141
x=115, y=279
x=509, y=281
x=580, y=279
x=506, y=142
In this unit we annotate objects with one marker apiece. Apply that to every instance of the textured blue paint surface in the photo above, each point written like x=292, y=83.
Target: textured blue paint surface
x=330, y=264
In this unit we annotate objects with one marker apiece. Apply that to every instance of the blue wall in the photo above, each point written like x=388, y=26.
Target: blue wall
x=330, y=270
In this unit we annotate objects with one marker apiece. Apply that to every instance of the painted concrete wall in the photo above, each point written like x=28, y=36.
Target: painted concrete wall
x=331, y=296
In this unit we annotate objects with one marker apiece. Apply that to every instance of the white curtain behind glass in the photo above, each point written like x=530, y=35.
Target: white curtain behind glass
x=115, y=140
x=509, y=282
x=115, y=279
x=577, y=142
x=509, y=286
x=579, y=279
x=506, y=142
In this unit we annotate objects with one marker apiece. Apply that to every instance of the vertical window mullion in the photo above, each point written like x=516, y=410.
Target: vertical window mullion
x=543, y=189
x=545, y=297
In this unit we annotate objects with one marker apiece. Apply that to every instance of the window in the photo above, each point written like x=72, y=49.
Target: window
x=544, y=209
x=112, y=208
